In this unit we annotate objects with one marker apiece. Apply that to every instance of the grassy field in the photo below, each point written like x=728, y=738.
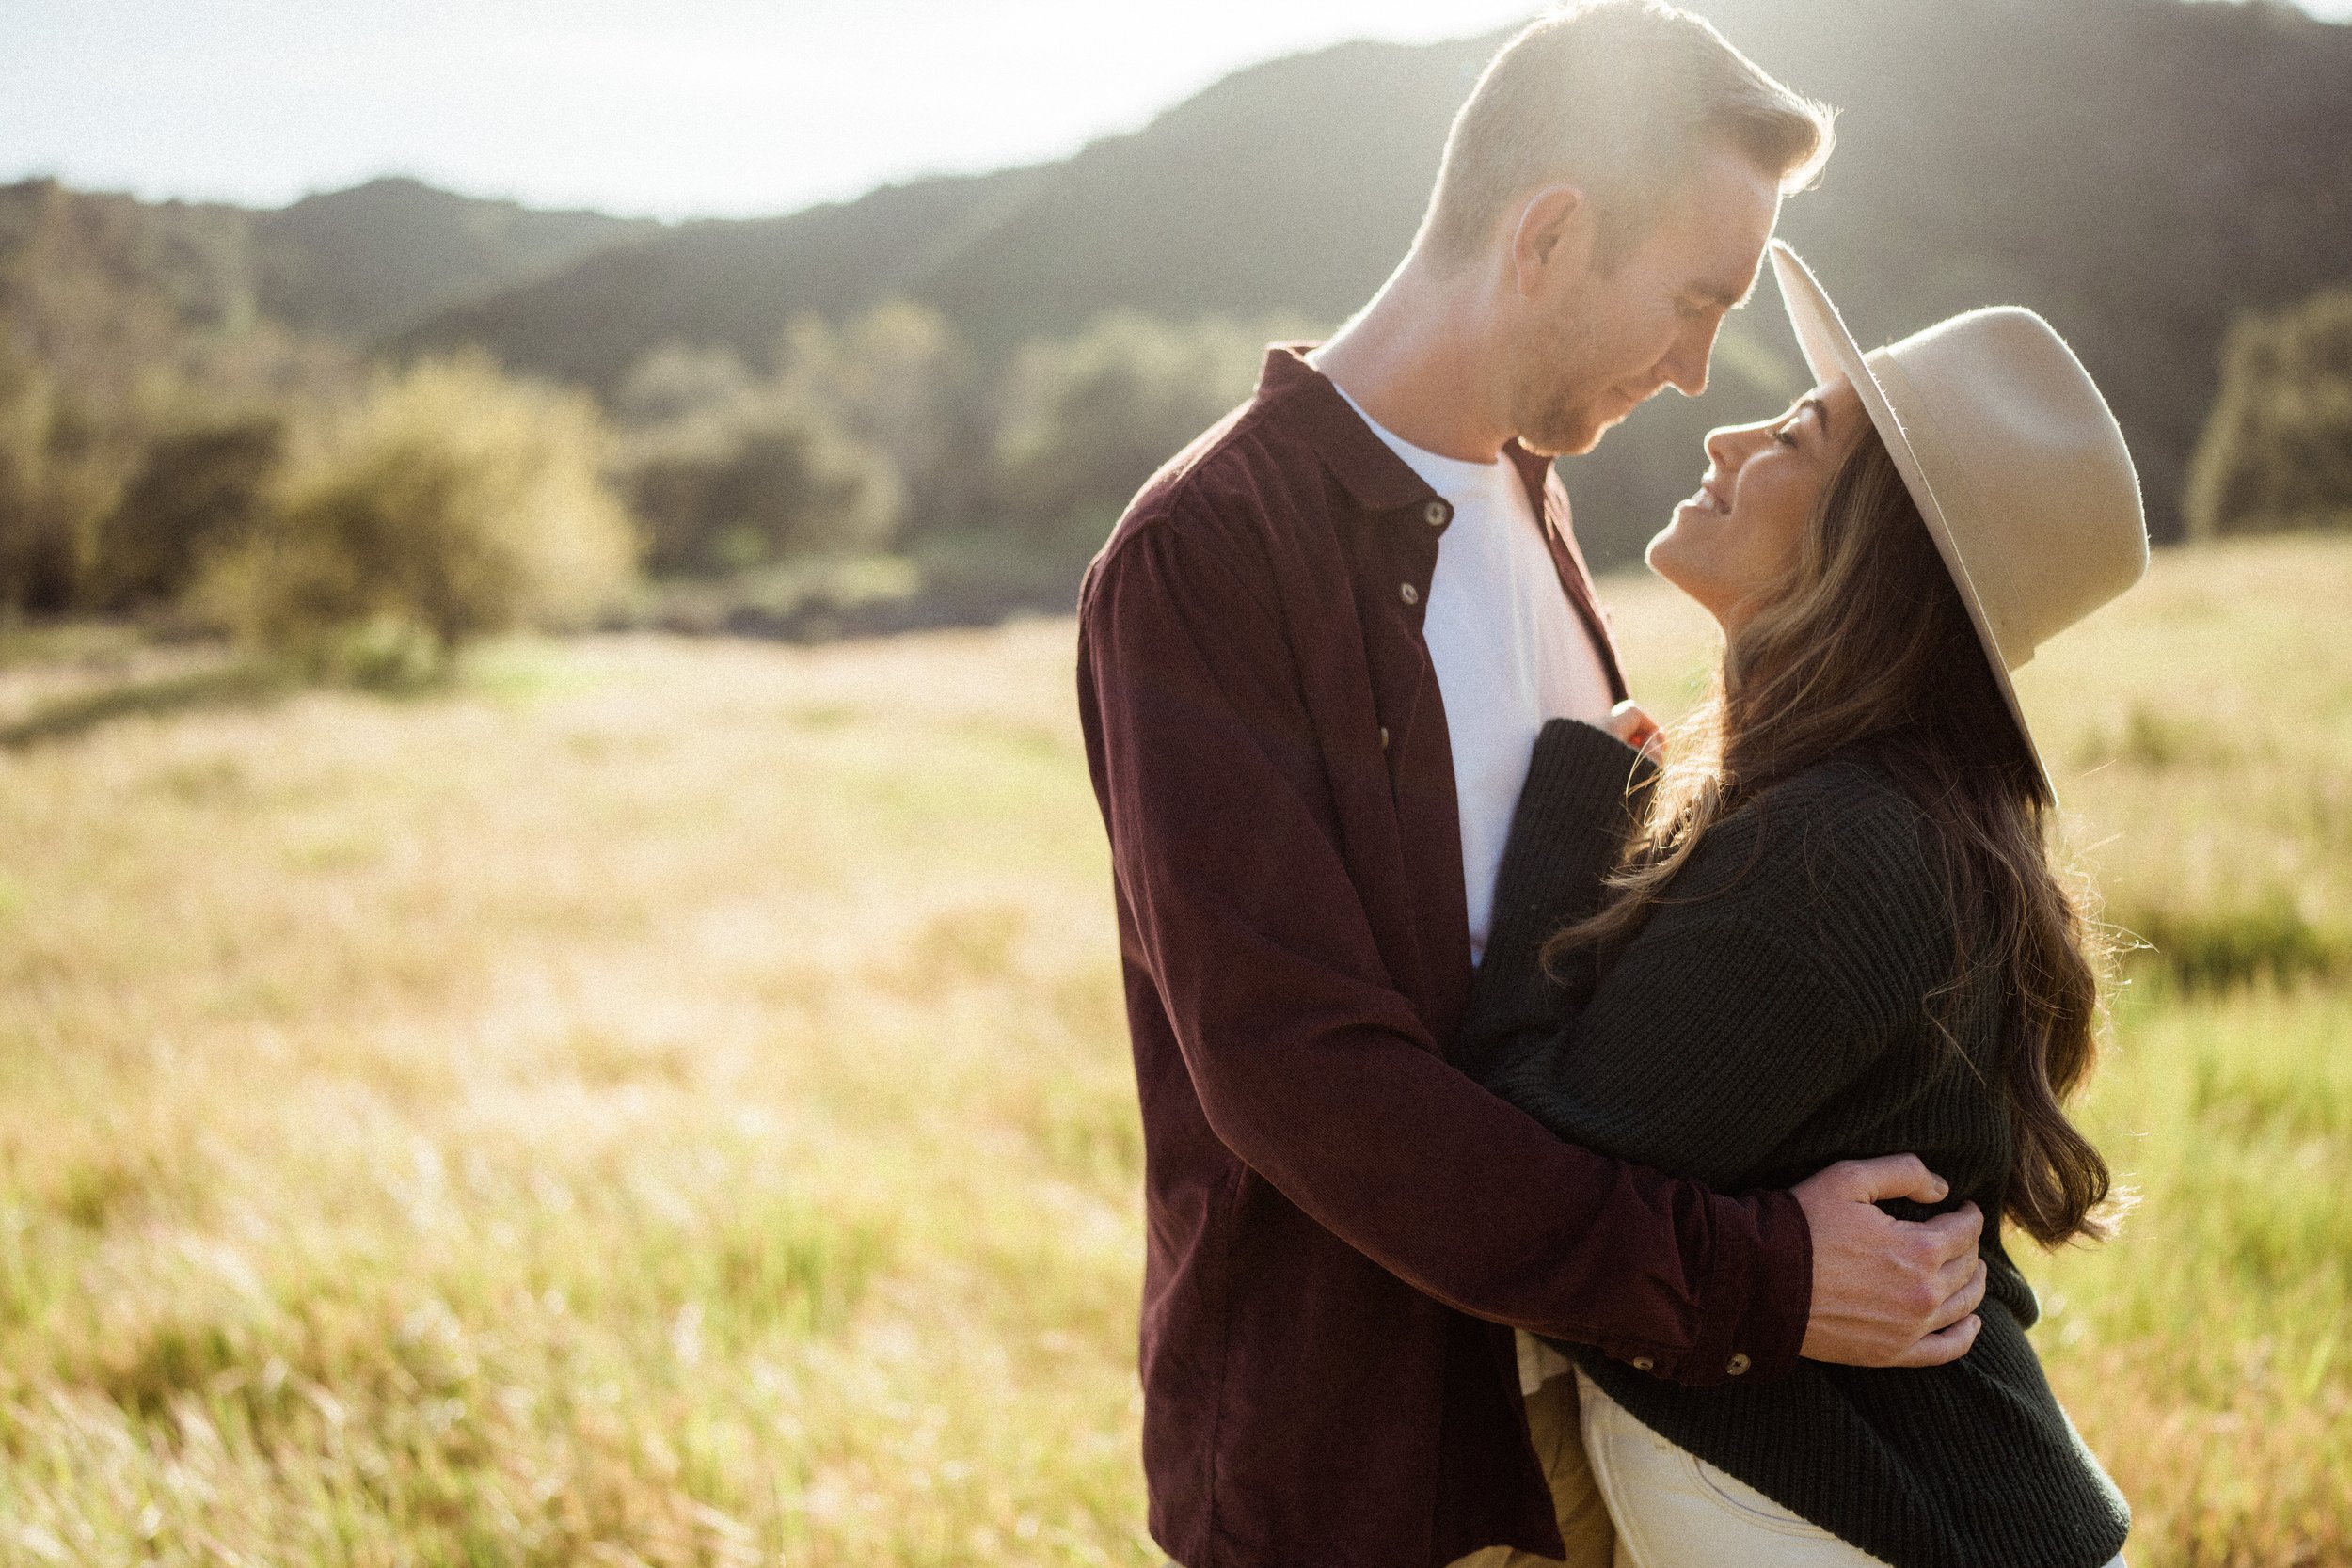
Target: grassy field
x=666, y=1103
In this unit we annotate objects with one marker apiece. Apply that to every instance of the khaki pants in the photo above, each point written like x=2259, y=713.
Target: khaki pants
x=1674, y=1510
x=1552, y=1422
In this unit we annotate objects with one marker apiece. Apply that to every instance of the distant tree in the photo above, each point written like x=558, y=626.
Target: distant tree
x=764, y=484
x=451, y=503
x=2277, y=449
x=1087, y=418
x=902, y=380
x=60, y=470
x=120, y=319
x=681, y=382
x=197, y=492
x=728, y=472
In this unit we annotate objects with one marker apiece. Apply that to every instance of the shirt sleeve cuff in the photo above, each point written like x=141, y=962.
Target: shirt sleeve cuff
x=1780, y=1290
x=1767, y=1270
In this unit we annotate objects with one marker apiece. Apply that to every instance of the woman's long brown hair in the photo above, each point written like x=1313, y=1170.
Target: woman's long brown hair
x=1866, y=649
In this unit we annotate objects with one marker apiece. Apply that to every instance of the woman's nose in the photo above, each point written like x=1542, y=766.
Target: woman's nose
x=1722, y=447
x=1729, y=446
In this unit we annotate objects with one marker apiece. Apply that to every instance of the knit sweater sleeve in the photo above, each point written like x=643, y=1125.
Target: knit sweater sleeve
x=1586, y=793
x=1796, y=943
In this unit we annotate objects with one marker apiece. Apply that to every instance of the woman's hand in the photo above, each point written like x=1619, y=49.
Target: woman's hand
x=1637, y=729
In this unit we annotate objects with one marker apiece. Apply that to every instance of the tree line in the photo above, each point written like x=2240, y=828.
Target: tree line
x=2277, y=449
x=369, y=519
x=357, y=516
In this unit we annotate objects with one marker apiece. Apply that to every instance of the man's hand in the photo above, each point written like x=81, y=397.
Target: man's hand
x=1886, y=1293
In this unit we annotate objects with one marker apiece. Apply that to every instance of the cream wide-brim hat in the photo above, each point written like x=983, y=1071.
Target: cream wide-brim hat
x=2014, y=459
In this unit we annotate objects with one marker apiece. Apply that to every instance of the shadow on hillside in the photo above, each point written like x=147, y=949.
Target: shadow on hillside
x=67, y=718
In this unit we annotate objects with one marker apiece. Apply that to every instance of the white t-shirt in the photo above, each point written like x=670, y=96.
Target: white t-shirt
x=1510, y=653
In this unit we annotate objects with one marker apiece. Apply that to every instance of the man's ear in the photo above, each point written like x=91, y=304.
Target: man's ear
x=1555, y=229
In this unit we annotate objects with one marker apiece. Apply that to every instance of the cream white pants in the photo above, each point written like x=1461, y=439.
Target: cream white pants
x=1674, y=1510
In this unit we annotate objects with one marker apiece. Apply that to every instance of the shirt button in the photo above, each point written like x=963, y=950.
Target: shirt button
x=1409, y=594
x=1384, y=737
x=1737, y=1365
x=1643, y=1363
x=1433, y=514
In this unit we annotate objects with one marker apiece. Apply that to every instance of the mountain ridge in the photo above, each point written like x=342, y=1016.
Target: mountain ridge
x=2138, y=170
x=375, y=257
x=360, y=264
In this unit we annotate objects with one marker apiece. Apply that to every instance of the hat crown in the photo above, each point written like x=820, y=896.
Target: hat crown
x=2039, y=505
x=2016, y=463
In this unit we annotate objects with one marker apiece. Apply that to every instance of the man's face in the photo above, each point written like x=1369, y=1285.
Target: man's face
x=1599, y=344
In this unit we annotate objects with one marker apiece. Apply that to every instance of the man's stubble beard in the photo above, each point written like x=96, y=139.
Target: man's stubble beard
x=1553, y=405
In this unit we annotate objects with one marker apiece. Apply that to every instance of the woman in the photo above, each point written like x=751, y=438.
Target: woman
x=1838, y=935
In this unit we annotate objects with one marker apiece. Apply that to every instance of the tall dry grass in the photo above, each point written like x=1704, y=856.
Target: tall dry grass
x=666, y=1103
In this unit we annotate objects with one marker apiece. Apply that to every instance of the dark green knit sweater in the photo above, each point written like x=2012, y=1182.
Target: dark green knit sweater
x=1769, y=1020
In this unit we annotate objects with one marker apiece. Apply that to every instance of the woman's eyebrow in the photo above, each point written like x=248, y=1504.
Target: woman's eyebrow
x=1818, y=407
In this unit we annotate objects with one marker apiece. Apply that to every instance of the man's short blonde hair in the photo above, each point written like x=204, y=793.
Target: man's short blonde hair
x=1619, y=97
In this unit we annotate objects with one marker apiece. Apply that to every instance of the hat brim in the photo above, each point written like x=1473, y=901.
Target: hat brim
x=1830, y=353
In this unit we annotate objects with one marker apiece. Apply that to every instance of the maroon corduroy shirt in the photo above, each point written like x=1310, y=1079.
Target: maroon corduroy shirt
x=1342, y=1227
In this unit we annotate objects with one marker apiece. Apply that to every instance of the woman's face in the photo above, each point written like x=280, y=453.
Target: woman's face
x=1730, y=544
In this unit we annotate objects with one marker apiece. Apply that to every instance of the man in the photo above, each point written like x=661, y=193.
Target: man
x=1313, y=658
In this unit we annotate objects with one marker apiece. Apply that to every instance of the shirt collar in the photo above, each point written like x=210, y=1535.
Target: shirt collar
x=1379, y=479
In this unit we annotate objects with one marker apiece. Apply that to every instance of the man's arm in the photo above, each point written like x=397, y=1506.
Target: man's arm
x=1310, y=1064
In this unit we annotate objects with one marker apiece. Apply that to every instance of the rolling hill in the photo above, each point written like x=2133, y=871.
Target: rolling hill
x=382, y=256
x=2139, y=170
x=354, y=264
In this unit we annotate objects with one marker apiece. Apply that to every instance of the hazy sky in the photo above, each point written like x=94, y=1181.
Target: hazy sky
x=674, y=107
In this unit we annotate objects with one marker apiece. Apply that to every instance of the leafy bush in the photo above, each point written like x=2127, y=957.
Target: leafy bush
x=679, y=383
x=197, y=494
x=1089, y=418
x=887, y=431
x=59, y=473
x=2277, y=449
x=757, y=484
x=727, y=472
x=451, y=503
x=899, y=379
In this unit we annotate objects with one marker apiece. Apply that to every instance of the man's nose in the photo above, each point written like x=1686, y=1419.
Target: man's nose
x=1686, y=364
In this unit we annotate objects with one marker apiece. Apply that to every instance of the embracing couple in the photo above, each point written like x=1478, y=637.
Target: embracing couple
x=1563, y=1141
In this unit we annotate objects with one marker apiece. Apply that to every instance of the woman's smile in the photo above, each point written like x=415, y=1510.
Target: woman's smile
x=1729, y=544
x=1709, y=498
